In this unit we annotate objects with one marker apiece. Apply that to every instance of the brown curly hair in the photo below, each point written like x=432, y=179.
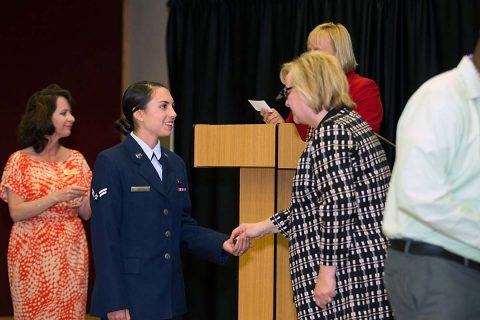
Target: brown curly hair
x=36, y=123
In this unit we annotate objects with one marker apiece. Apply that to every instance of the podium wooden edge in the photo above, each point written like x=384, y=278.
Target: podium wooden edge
x=255, y=151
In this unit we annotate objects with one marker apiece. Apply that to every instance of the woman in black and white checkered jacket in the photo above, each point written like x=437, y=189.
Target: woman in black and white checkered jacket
x=333, y=223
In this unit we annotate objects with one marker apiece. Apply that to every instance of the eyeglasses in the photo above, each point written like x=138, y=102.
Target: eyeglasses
x=283, y=94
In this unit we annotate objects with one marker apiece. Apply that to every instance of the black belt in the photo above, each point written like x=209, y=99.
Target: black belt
x=426, y=249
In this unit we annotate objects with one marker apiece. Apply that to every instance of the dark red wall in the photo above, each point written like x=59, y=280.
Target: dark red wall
x=77, y=44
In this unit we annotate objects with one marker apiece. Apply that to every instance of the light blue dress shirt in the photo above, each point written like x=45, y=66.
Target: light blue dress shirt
x=434, y=193
x=157, y=151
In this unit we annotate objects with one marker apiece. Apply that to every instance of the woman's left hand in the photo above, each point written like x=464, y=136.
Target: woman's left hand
x=326, y=285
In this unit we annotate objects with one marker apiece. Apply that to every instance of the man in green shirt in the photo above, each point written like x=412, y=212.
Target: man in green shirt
x=432, y=214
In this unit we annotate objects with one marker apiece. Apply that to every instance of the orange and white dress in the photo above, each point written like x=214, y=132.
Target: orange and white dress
x=47, y=254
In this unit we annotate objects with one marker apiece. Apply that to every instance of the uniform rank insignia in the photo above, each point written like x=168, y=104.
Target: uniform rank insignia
x=99, y=194
x=180, y=186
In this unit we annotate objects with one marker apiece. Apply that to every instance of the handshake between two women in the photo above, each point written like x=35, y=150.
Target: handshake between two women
x=239, y=241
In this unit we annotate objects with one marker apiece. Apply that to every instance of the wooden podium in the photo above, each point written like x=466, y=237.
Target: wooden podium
x=267, y=157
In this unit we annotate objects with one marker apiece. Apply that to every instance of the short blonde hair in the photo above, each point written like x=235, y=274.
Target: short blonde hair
x=319, y=79
x=341, y=41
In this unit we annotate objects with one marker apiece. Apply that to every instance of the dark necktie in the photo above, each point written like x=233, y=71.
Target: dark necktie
x=161, y=162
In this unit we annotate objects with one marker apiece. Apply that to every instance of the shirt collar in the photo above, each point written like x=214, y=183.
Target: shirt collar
x=470, y=56
x=146, y=149
x=469, y=74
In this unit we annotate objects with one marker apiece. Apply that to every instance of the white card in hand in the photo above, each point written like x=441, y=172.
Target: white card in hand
x=260, y=105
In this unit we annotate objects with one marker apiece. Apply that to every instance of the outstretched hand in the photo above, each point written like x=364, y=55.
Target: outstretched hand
x=242, y=234
x=239, y=241
x=237, y=246
x=248, y=230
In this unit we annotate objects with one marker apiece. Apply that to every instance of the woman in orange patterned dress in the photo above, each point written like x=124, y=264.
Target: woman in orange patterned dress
x=46, y=186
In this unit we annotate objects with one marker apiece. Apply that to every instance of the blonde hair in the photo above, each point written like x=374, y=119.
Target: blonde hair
x=341, y=42
x=319, y=79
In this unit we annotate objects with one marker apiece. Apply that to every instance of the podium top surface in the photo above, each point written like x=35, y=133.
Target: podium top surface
x=249, y=145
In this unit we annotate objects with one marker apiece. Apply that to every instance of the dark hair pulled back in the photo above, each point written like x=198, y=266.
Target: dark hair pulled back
x=136, y=97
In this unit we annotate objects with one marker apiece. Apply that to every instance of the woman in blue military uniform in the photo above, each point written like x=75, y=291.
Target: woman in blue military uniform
x=141, y=216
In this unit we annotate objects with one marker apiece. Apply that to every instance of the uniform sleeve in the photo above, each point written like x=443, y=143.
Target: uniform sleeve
x=13, y=175
x=333, y=172
x=106, y=203
x=202, y=242
x=369, y=104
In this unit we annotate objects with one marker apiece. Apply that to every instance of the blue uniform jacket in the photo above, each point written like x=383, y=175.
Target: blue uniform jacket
x=139, y=225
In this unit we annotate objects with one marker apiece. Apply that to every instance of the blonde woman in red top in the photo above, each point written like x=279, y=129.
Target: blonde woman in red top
x=334, y=38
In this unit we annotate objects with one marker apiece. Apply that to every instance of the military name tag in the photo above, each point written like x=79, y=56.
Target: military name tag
x=140, y=189
x=70, y=172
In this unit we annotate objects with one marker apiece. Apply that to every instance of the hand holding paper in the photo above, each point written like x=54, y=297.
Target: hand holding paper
x=260, y=105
